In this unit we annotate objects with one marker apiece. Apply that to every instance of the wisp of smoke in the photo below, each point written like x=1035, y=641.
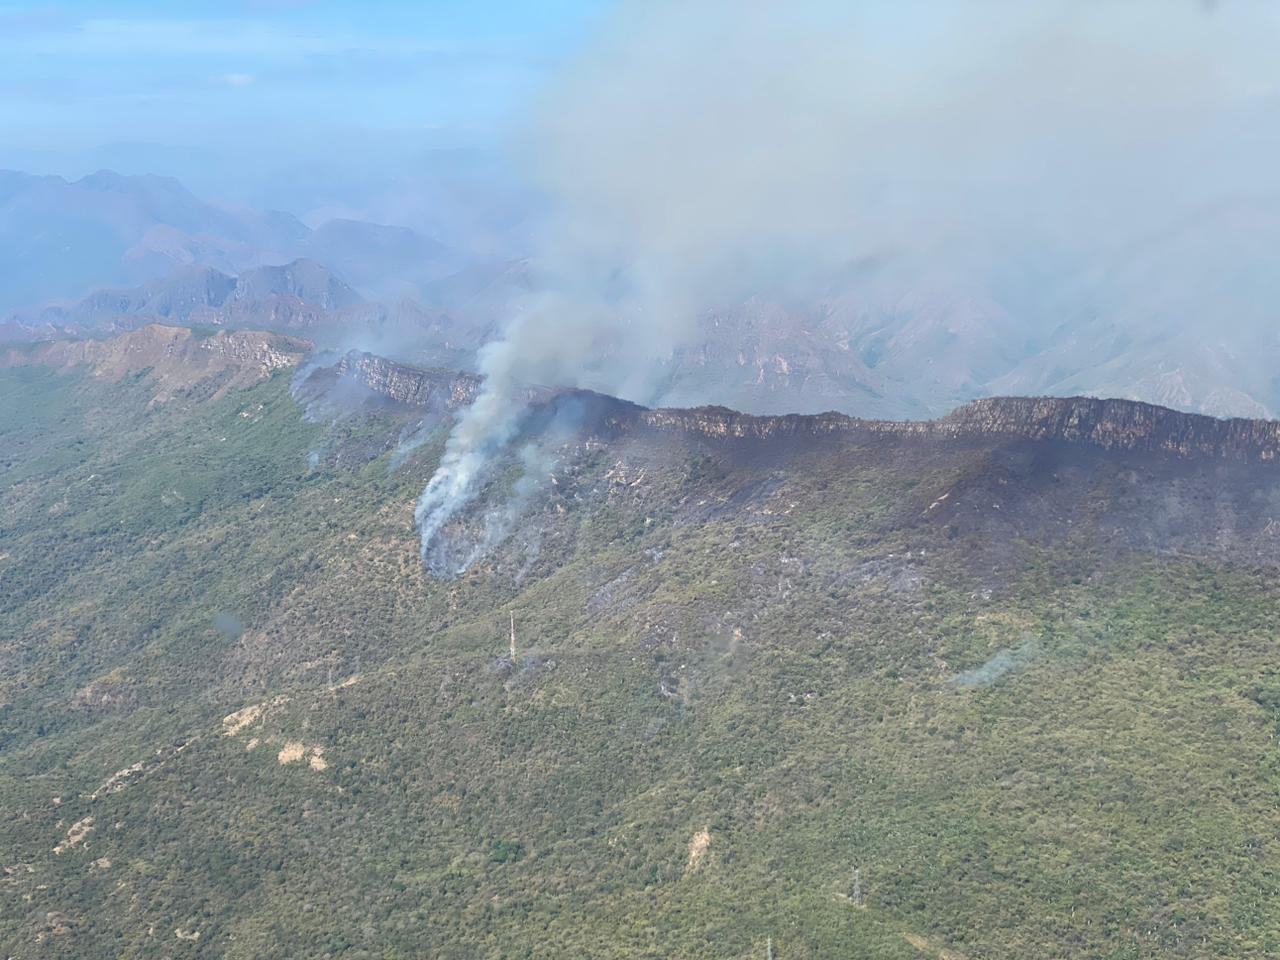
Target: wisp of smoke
x=536, y=461
x=482, y=431
x=410, y=440
x=470, y=460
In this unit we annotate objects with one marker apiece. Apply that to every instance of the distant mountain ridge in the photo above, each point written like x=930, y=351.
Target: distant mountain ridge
x=62, y=239
x=1176, y=319
x=300, y=297
x=183, y=294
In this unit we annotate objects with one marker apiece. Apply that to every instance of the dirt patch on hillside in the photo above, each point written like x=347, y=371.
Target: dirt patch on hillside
x=117, y=781
x=233, y=723
x=924, y=946
x=699, y=844
x=75, y=835
x=294, y=750
x=291, y=752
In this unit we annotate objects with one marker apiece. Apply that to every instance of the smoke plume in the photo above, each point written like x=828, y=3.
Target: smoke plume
x=700, y=153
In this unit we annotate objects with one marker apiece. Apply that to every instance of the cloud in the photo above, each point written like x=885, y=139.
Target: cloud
x=237, y=79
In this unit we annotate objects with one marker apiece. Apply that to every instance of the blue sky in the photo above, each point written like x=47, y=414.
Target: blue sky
x=276, y=80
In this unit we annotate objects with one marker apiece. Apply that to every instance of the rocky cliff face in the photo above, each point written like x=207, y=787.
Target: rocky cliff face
x=411, y=386
x=262, y=352
x=449, y=390
x=722, y=423
x=1116, y=425
x=1108, y=424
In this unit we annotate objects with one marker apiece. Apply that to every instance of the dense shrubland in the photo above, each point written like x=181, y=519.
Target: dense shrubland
x=764, y=649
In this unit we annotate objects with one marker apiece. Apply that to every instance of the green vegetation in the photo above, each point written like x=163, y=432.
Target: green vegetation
x=734, y=689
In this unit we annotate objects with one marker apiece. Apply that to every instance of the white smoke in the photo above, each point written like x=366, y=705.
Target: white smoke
x=483, y=430
x=701, y=152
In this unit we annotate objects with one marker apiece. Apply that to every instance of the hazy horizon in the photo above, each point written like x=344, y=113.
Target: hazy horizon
x=323, y=108
x=1082, y=195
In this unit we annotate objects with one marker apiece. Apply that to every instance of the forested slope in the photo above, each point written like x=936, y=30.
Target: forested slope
x=863, y=692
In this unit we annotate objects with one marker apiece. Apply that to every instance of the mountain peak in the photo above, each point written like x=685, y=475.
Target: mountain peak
x=303, y=278
x=110, y=181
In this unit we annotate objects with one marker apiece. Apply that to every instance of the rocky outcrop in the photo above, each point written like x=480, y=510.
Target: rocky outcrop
x=412, y=386
x=449, y=390
x=723, y=423
x=259, y=352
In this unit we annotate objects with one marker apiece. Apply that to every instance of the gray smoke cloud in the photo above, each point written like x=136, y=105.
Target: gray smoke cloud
x=698, y=154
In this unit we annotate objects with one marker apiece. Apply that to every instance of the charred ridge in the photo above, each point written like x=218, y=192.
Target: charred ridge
x=1106, y=424
x=1117, y=425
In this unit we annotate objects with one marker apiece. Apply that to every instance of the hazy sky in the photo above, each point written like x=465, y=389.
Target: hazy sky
x=219, y=92
x=194, y=88
x=1043, y=159
x=377, y=108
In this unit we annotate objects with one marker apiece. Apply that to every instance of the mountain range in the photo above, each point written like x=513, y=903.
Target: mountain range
x=1176, y=319
x=62, y=239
